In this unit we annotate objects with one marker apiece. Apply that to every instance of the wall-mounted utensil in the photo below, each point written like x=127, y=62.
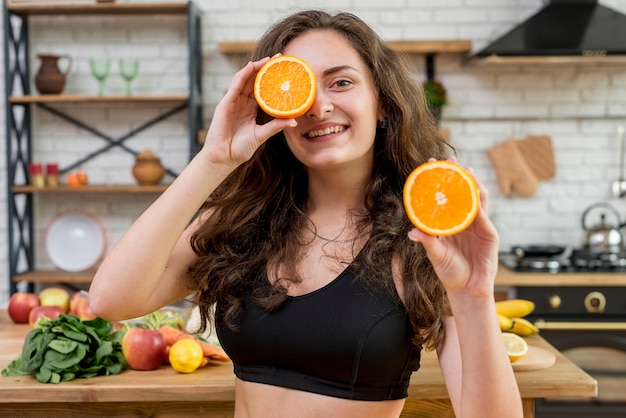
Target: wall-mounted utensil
x=619, y=186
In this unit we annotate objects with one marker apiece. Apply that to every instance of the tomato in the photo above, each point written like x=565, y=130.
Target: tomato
x=186, y=355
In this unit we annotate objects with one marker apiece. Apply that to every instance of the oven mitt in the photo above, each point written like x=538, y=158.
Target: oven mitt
x=514, y=173
x=539, y=155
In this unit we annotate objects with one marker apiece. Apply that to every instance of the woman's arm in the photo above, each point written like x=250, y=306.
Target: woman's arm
x=475, y=366
x=473, y=357
x=147, y=268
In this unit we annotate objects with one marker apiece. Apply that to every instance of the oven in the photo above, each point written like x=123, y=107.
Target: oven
x=586, y=323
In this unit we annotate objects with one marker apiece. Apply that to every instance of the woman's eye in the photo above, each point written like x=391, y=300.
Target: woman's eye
x=343, y=83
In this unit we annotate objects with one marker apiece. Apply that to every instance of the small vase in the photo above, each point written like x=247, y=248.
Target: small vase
x=148, y=170
x=50, y=79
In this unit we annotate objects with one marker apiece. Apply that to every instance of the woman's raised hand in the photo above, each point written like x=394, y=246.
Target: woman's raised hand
x=468, y=261
x=234, y=135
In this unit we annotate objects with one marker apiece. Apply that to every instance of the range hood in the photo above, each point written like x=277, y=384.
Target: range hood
x=564, y=28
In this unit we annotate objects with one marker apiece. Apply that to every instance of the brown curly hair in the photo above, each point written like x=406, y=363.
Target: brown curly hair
x=258, y=214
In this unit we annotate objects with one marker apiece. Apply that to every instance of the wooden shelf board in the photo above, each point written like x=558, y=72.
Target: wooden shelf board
x=432, y=47
x=236, y=47
x=54, y=276
x=90, y=189
x=85, y=8
x=412, y=47
x=543, y=60
x=73, y=98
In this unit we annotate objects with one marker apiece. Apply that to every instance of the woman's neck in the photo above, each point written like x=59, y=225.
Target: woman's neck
x=339, y=189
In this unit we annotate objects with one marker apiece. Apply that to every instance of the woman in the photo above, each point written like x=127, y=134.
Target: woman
x=322, y=301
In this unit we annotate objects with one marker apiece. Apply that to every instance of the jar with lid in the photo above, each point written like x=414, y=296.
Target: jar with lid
x=52, y=175
x=148, y=170
x=36, y=176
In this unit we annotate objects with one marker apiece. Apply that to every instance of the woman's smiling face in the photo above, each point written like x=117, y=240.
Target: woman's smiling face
x=341, y=125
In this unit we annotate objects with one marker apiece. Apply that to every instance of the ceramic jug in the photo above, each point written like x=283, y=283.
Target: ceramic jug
x=50, y=79
x=148, y=170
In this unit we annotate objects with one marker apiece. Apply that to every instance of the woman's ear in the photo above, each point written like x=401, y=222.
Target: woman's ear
x=381, y=115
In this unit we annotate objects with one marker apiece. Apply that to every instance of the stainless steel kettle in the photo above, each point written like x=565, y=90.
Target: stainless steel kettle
x=602, y=238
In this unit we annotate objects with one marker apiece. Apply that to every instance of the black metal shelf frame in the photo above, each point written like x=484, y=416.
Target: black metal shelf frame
x=19, y=129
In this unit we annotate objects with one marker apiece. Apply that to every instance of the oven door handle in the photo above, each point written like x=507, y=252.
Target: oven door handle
x=580, y=326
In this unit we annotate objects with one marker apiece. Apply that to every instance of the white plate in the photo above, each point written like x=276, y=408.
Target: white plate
x=75, y=240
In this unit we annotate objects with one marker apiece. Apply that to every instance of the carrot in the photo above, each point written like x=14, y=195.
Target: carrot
x=171, y=334
x=205, y=361
x=213, y=352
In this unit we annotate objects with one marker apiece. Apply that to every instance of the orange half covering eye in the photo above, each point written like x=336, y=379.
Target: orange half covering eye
x=285, y=87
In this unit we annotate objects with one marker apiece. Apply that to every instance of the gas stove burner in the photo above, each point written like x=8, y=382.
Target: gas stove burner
x=538, y=264
x=571, y=260
x=604, y=261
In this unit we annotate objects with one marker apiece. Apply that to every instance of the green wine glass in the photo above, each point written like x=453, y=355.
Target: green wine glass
x=100, y=71
x=129, y=68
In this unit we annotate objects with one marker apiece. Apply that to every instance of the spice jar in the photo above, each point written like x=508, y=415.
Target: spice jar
x=52, y=175
x=35, y=174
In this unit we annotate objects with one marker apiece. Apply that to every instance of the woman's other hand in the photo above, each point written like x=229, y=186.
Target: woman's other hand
x=467, y=261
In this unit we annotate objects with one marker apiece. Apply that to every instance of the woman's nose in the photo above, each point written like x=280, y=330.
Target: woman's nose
x=321, y=105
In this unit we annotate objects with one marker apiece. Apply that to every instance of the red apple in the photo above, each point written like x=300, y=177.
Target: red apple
x=143, y=349
x=20, y=306
x=76, y=297
x=55, y=296
x=50, y=312
x=79, y=306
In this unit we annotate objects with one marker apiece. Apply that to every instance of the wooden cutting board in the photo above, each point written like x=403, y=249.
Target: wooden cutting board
x=536, y=359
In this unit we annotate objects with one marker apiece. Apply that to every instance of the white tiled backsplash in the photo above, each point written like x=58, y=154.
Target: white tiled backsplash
x=578, y=106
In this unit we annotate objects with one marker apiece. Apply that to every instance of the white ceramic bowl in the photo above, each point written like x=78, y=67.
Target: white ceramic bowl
x=75, y=240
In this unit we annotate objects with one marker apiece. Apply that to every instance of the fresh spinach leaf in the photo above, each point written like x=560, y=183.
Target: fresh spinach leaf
x=66, y=348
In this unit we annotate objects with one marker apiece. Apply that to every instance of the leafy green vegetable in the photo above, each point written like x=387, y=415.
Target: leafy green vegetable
x=66, y=348
x=157, y=319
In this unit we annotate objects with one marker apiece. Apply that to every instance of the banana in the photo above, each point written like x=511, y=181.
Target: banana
x=514, y=308
x=519, y=326
x=506, y=324
x=523, y=327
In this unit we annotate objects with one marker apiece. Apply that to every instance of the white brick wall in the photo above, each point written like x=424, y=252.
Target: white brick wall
x=578, y=106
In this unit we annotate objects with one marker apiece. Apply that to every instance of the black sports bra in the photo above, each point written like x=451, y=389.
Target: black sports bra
x=343, y=340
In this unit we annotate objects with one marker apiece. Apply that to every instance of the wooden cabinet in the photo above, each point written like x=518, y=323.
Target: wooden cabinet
x=20, y=99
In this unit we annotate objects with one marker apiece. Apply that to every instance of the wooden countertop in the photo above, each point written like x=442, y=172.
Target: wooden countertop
x=213, y=386
x=508, y=277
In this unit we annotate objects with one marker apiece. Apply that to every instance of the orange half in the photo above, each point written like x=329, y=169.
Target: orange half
x=441, y=198
x=285, y=87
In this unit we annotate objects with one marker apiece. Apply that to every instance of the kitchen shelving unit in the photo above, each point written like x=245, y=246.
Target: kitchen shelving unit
x=430, y=49
x=18, y=107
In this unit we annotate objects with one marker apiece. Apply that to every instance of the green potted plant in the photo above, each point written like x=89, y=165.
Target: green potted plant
x=436, y=96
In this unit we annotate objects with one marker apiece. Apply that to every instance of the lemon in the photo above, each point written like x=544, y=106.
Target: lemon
x=516, y=346
x=186, y=355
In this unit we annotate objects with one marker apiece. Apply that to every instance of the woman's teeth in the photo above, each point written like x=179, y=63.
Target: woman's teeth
x=327, y=131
